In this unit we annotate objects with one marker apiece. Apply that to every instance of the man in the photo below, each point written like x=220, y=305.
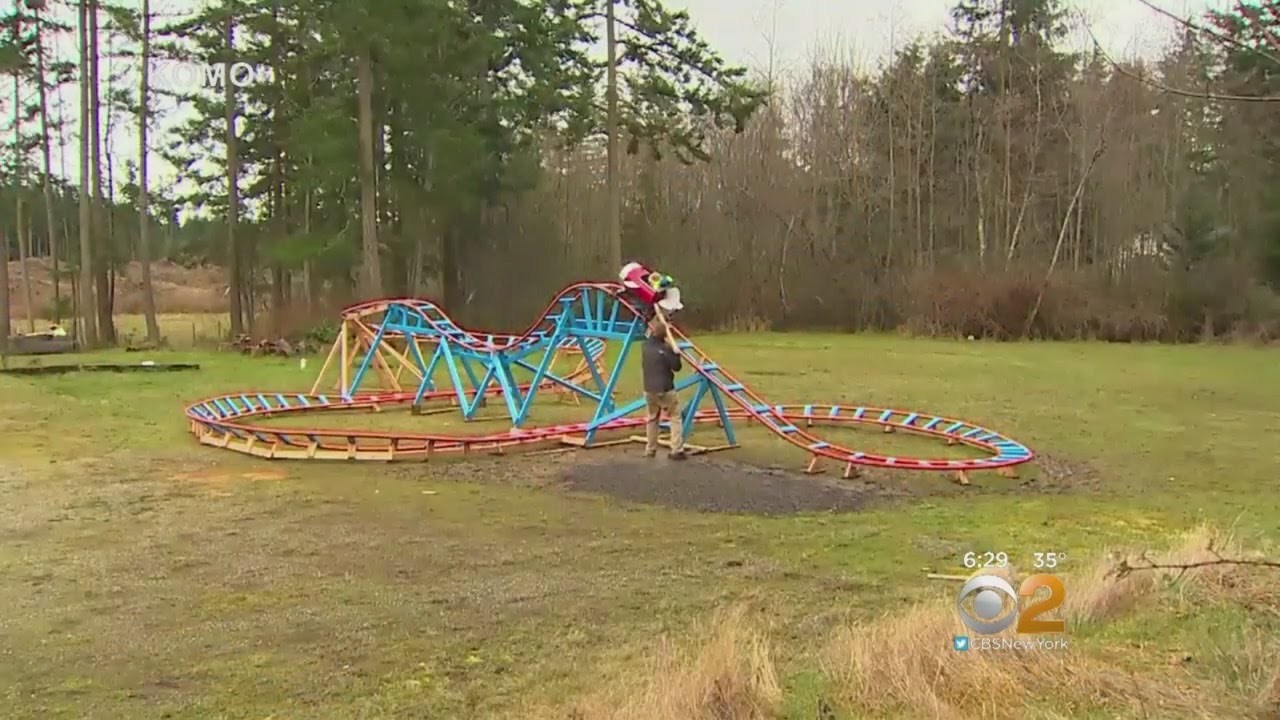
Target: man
x=661, y=362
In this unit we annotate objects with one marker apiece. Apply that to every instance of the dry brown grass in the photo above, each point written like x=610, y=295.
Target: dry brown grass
x=178, y=290
x=730, y=675
x=1100, y=593
x=903, y=665
x=906, y=662
x=1269, y=696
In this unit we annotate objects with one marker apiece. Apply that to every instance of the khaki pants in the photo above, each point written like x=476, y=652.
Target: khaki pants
x=659, y=403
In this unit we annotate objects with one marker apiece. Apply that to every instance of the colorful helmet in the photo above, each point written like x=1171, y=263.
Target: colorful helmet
x=659, y=281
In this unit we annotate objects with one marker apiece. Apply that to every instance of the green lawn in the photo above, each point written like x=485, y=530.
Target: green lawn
x=147, y=576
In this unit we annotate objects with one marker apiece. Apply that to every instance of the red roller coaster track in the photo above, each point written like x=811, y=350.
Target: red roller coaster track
x=232, y=420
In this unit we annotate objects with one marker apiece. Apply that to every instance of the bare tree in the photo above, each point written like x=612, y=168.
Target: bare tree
x=89, y=336
x=5, y=327
x=144, y=185
x=42, y=81
x=613, y=182
x=236, y=279
x=102, y=270
x=18, y=176
x=371, y=263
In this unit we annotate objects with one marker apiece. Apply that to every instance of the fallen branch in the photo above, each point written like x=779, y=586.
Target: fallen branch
x=1124, y=569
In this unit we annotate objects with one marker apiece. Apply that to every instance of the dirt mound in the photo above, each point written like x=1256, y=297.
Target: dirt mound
x=714, y=483
x=177, y=289
x=706, y=485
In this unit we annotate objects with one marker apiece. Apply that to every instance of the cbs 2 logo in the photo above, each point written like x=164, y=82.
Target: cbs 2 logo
x=988, y=604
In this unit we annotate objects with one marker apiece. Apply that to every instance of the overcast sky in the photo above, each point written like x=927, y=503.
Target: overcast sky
x=790, y=32
x=870, y=28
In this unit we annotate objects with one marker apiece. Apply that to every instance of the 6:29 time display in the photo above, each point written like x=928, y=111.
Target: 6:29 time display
x=985, y=559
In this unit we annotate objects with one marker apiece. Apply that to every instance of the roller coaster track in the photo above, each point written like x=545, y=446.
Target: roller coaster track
x=593, y=311
x=357, y=316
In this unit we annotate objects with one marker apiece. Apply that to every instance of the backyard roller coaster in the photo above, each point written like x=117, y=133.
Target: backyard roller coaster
x=392, y=353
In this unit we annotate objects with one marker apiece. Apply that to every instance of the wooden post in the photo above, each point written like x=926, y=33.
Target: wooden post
x=333, y=349
x=342, y=371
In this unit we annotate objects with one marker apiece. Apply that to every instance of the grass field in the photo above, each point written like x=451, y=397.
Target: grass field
x=147, y=576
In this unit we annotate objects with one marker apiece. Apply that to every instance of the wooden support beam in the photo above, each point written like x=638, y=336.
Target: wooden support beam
x=324, y=369
x=347, y=356
x=689, y=447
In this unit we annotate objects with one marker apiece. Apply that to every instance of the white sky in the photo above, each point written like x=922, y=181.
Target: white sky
x=743, y=31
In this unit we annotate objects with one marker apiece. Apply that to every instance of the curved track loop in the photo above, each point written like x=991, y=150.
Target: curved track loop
x=227, y=420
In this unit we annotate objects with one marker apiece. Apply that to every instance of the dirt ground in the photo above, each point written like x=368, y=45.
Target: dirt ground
x=722, y=484
x=737, y=484
x=711, y=485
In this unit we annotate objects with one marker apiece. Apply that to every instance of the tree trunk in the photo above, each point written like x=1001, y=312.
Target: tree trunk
x=453, y=278
x=308, y=265
x=233, y=194
x=5, y=327
x=31, y=243
x=108, y=270
x=277, y=299
x=24, y=237
x=18, y=186
x=371, y=270
x=249, y=263
x=613, y=182
x=46, y=153
x=89, y=337
x=280, y=219
x=144, y=191
x=102, y=265
x=414, y=279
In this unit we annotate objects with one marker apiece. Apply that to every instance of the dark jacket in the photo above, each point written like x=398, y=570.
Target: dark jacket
x=661, y=364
